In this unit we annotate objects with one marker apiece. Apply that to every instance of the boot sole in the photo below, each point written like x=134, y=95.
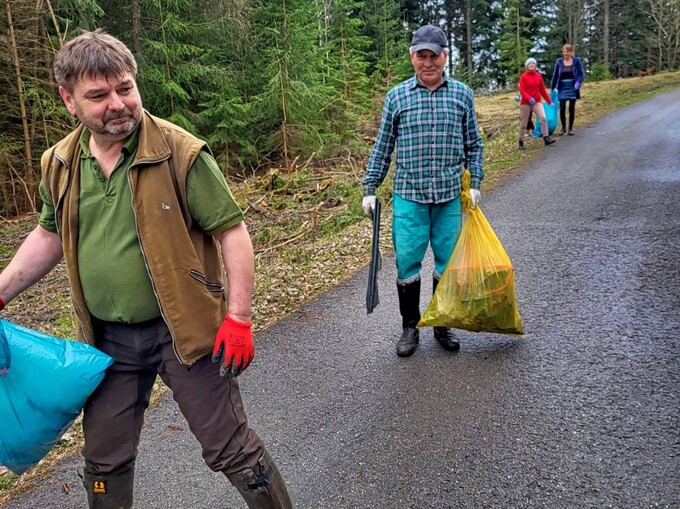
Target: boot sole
x=450, y=348
x=447, y=346
x=406, y=354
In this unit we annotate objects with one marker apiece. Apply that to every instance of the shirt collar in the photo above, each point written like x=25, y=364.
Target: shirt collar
x=414, y=83
x=129, y=147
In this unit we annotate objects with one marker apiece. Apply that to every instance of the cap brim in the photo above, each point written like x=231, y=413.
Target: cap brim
x=434, y=48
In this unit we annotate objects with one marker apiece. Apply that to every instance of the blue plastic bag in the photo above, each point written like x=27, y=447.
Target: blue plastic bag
x=551, y=113
x=42, y=392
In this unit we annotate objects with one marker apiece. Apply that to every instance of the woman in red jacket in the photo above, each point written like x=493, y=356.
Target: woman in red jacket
x=531, y=89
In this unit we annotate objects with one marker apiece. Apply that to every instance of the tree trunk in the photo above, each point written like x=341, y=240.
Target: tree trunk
x=518, y=38
x=605, y=40
x=283, y=82
x=136, y=27
x=29, y=177
x=55, y=23
x=468, y=35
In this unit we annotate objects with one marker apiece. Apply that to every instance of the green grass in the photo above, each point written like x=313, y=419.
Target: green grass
x=6, y=481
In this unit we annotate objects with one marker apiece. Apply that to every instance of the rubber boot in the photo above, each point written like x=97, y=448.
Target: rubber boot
x=109, y=491
x=521, y=144
x=444, y=335
x=548, y=140
x=409, y=307
x=262, y=487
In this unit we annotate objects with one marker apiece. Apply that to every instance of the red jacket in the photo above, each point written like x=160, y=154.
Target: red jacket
x=531, y=85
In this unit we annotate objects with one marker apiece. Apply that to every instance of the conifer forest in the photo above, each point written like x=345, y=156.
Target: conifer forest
x=267, y=82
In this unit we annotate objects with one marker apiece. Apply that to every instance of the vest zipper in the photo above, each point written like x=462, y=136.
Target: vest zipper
x=146, y=265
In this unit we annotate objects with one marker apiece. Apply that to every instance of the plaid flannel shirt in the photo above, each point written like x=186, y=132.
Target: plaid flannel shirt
x=436, y=135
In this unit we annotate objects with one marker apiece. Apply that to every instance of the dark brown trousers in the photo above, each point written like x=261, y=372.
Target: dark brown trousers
x=114, y=413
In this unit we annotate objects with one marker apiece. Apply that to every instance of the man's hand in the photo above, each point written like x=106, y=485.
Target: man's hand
x=233, y=348
x=532, y=101
x=368, y=204
x=475, y=197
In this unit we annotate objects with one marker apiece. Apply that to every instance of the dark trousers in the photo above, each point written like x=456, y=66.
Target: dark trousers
x=572, y=112
x=114, y=413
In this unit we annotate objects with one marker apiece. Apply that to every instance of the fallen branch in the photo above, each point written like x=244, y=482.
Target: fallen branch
x=297, y=236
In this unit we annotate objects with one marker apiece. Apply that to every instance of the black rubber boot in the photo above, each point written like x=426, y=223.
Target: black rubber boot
x=109, y=491
x=444, y=335
x=548, y=140
x=521, y=144
x=262, y=487
x=409, y=307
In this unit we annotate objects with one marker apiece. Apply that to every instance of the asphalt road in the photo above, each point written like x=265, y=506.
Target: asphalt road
x=582, y=412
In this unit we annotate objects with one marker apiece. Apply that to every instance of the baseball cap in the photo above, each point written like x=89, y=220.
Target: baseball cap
x=429, y=37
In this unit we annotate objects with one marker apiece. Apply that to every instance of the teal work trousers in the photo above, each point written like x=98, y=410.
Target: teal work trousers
x=417, y=225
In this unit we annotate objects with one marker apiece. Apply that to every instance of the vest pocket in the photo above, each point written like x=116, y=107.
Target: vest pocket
x=211, y=286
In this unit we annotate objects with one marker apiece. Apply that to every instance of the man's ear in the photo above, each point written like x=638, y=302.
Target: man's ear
x=68, y=100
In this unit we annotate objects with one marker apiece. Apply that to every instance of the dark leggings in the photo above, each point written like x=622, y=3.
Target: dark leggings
x=572, y=112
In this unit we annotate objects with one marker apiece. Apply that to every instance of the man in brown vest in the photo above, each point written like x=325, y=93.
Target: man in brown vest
x=147, y=226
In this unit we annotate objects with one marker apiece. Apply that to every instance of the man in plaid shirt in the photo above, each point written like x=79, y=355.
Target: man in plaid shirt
x=431, y=119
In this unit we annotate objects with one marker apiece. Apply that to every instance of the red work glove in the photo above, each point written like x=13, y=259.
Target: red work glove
x=233, y=348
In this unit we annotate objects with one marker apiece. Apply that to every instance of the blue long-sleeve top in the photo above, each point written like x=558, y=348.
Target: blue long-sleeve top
x=579, y=75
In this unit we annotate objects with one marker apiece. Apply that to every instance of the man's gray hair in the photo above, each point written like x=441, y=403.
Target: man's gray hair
x=92, y=54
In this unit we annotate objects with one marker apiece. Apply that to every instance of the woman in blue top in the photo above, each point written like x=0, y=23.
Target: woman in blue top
x=566, y=79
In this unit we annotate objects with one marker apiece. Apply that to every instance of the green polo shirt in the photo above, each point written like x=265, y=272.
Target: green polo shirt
x=112, y=270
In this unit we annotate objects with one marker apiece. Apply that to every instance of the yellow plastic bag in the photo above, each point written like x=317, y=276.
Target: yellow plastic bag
x=477, y=290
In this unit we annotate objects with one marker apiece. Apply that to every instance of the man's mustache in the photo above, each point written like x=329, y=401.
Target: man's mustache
x=117, y=115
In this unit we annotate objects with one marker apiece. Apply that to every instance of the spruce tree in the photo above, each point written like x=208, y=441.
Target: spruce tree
x=515, y=43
